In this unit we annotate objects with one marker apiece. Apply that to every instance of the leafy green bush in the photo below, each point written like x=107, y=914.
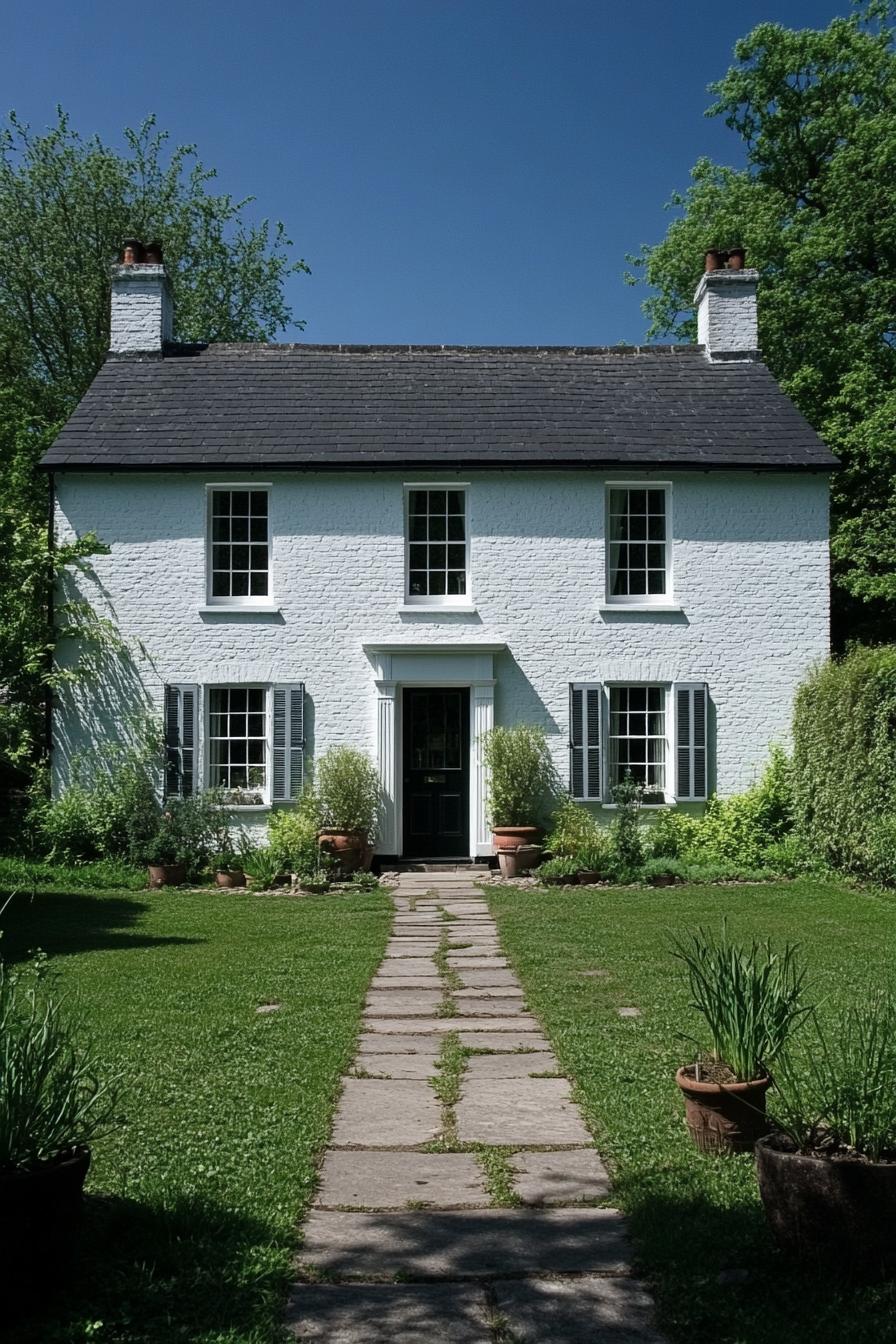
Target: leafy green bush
x=750, y=998
x=292, y=835
x=348, y=791
x=263, y=865
x=187, y=833
x=626, y=830
x=522, y=779
x=598, y=855
x=111, y=814
x=561, y=866
x=844, y=762
x=573, y=829
x=673, y=834
x=51, y=1095
x=67, y=826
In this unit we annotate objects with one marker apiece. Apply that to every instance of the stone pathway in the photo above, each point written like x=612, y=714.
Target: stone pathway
x=461, y=1200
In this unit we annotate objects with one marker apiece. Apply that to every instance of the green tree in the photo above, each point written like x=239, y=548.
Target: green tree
x=815, y=208
x=66, y=203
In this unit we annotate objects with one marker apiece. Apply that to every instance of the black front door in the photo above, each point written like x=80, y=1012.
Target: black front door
x=436, y=734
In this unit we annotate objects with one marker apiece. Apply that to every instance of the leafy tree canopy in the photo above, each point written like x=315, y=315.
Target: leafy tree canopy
x=66, y=203
x=815, y=208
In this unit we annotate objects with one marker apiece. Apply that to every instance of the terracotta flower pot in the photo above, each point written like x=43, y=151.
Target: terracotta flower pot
x=166, y=874
x=230, y=877
x=508, y=861
x=40, y=1211
x=511, y=837
x=837, y=1213
x=346, y=847
x=527, y=856
x=724, y=1117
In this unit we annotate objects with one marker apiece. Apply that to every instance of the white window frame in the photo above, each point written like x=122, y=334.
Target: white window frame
x=669, y=784
x=266, y=688
x=462, y=600
x=249, y=602
x=665, y=599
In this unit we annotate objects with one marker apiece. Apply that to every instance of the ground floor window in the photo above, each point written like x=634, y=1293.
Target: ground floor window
x=637, y=738
x=238, y=741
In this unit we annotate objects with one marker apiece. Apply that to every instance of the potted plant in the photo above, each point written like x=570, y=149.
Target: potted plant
x=559, y=871
x=181, y=845
x=263, y=867
x=521, y=782
x=595, y=860
x=514, y=862
x=348, y=794
x=827, y=1172
x=52, y=1105
x=664, y=872
x=228, y=857
x=750, y=999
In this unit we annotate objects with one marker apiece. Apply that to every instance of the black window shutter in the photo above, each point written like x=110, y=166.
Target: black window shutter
x=288, y=746
x=181, y=713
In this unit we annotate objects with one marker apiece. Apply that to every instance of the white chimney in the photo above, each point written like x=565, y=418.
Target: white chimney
x=726, y=314
x=141, y=303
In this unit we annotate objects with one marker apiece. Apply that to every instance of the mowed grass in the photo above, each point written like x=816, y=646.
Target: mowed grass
x=697, y=1225
x=191, y=1221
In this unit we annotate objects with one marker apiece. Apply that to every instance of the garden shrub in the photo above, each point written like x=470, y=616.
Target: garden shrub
x=523, y=782
x=292, y=835
x=111, y=813
x=348, y=791
x=844, y=762
x=673, y=834
x=573, y=829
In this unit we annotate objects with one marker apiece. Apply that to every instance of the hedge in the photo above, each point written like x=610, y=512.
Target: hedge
x=844, y=762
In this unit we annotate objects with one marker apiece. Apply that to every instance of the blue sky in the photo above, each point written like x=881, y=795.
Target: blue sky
x=459, y=171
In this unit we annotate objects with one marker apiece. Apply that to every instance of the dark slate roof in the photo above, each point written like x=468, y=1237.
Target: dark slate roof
x=311, y=406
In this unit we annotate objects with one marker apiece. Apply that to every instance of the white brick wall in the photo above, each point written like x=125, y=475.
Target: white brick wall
x=726, y=313
x=142, y=315
x=751, y=574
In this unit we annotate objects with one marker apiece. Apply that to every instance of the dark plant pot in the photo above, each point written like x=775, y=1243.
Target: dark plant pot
x=230, y=877
x=40, y=1213
x=555, y=880
x=511, y=837
x=662, y=880
x=835, y=1213
x=724, y=1117
x=314, y=888
x=527, y=856
x=346, y=847
x=167, y=874
x=588, y=877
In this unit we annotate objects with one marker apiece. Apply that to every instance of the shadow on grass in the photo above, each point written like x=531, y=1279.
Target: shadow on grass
x=65, y=923
x=192, y=1270
x=714, y=1262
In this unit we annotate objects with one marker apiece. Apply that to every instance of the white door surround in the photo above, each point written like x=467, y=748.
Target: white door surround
x=459, y=664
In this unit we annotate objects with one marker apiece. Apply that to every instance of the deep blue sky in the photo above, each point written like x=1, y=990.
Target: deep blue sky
x=459, y=171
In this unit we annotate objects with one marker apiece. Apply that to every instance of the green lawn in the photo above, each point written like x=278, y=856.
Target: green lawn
x=693, y=1218
x=194, y=1202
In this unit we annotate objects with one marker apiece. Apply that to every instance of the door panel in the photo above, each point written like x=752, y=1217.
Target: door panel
x=436, y=736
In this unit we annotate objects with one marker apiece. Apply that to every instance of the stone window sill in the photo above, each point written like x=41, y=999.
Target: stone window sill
x=436, y=609
x=640, y=606
x=239, y=609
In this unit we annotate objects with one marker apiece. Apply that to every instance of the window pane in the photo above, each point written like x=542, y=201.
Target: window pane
x=636, y=582
x=437, y=501
x=258, y=585
x=437, y=582
x=437, y=557
x=417, y=502
x=240, y=585
x=457, y=557
x=457, y=582
x=239, y=529
x=239, y=502
x=418, y=557
x=260, y=503
x=221, y=557
x=656, y=529
x=418, y=583
x=221, y=584
x=637, y=501
x=239, y=557
x=258, y=529
x=220, y=529
x=637, y=527
x=656, y=500
x=437, y=527
x=455, y=501
x=656, y=581
x=259, y=557
x=455, y=528
x=220, y=503
x=656, y=557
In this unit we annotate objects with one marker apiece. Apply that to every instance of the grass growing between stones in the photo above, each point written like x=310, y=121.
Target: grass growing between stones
x=193, y=1203
x=697, y=1224
x=496, y=1165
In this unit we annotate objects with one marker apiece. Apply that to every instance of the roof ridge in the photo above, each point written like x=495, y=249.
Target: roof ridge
x=308, y=347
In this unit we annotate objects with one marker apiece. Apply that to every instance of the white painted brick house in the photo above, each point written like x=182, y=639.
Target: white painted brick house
x=396, y=547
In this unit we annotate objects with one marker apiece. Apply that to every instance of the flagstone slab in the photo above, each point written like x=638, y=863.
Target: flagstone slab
x=504, y=1039
x=476, y=959
x=386, y=1113
x=488, y=979
x=385, y=1313
x=411, y=948
x=400, y=982
x=395, y=967
x=510, y=1066
x=576, y=1311
x=366, y=1180
x=521, y=1023
x=560, y=1178
x=422, y=1065
x=402, y=1002
x=409, y=1041
x=518, y=1110
x=489, y=992
x=475, y=1244
x=496, y=1007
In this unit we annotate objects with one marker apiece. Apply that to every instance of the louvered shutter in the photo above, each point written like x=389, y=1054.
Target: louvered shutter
x=690, y=736
x=585, y=714
x=288, y=754
x=181, y=737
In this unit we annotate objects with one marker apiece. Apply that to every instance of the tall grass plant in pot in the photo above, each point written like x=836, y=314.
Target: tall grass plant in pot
x=827, y=1173
x=522, y=783
x=751, y=1001
x=53, y=1104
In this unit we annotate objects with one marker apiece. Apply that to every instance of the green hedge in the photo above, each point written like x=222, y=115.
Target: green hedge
x=844, y=762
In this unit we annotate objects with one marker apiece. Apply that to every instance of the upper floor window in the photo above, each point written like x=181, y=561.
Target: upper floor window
x=638, y=559
x=240, y=559
x=437, y=545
